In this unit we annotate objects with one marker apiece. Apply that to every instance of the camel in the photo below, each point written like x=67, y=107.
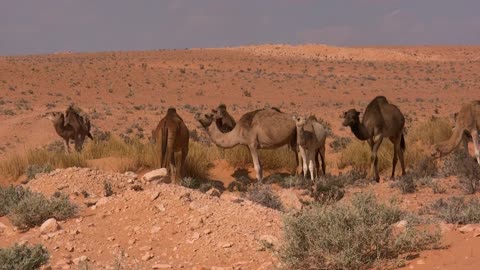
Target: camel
x=173, y=136
x=75, y=117
x=259, y=129
x=467, y=123
x=73, y=125
x=311, y=144
x=380, y=120
x=223, y=119
x=67, y=132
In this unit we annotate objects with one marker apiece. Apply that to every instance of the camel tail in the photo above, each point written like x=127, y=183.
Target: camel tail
x=163, y=160
x=402, y=143
x=448, y=146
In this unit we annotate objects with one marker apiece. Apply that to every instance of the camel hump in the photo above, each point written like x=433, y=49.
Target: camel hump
x=76, y=117
x=247, y=119
x=380, y=99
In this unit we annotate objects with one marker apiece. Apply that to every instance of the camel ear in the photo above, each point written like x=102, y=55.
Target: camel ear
x=294, y=117
x=344, y=114
x=357, y=113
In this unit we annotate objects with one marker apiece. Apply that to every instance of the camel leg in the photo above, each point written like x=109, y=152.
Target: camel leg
x=396, y=150
x=475, y=144
x=317, y=162
x=173, y=169
x=183, y=159
x=256, y=163
x=304, y=161
x=374, y=167
x=67, y=145
x=401, y=157
x=299, y=161
x=322, y=157
x=313, y=170
x=465, y=145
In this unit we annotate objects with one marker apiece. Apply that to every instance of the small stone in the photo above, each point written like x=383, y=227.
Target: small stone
x=160, y=207
x=401, y=224
x=3, y=227
x=145, y=248
x=147, y=256
x=132, y=241
x=102, y=201
x=80, y=259
x=161, y=266
x=155, y=229
x=111, y=238
x=207, y=231
x=213, y=192
x=49, y=226
x=269, y=240
x=469, y=228
x=420, y=261
x=226, y=245
x=154, y=195
x=69, y=247
x=159, y=174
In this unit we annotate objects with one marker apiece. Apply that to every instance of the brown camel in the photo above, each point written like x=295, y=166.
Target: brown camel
x=225, y=122
x=67, y=132
x=172, y=135
x=467, y=122
x=73, y=125
x=311, y=144
x=79, y=120
x=259, y=129
x=380, y=120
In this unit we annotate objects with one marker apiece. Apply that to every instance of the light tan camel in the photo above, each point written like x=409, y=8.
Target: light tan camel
x=380, y=120
x=259, y=129
x=67, y=132
x=172, y=136
x=311, y=144
x=225, y=122
x=467, y=122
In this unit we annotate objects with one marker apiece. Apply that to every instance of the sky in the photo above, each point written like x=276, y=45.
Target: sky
x=47, y=26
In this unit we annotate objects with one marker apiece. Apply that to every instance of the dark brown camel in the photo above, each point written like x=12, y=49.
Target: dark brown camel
x=380, y=120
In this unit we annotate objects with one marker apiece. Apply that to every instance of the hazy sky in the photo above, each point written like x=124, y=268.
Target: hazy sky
x=45, y=26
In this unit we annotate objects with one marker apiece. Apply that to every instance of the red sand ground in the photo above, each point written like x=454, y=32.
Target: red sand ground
x=120, y=89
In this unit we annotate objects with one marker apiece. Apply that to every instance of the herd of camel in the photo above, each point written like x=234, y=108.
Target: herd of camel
x=270, y=128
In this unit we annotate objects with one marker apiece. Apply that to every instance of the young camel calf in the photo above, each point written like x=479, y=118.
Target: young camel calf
x=310, y=143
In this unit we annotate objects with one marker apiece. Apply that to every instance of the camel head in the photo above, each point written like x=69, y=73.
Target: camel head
x=299, y=120
x=55, y=117
x=204, y=119
x=219, y=112
x=351, y=117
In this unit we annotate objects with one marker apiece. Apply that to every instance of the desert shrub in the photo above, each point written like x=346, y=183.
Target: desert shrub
x=340, y=143
x=328, y=190
x=190, y=182
x=23, y=257
x=431, y=131
x=13, y=166
x=406, y=184
x=351, y=235
x=10, y=196
x=295, y=181
x=107, y=189
x=32, y=170
x=32, y=209
x=456, y=210
x=263, y=194
x=465, y=168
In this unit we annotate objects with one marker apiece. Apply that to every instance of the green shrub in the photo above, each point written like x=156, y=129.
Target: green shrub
x=28, y=209
x=32, y=170
x=10, y=196
x=22, y=257
x=263, y=194
x=456, y=210
x=465, y=168
x=349, y=236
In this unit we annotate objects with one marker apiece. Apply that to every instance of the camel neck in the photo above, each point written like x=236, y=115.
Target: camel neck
x=59, y=127
x=300, y=136
x=360, y=131
x=224, y=140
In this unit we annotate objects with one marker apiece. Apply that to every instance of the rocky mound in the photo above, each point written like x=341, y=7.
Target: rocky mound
x=160, y=227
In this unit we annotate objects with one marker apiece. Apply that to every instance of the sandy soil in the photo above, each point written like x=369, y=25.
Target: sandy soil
x=124, y=90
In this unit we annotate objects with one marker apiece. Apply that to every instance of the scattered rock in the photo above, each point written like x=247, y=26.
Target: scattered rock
x=160, y=207
x=469, y=228
x=102, y=201
x=159, y=174
x=147, y=256
x=269, y=240
x=131, y=176
x=49, y=226
x=161, y=266
x=401, y=224
x=226, y=245
x=3, y=227
x=213, y=192
x=154, y=195
x=80, y=259
x=420, y=261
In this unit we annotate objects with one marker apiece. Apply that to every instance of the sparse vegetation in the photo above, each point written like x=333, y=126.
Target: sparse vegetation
x=23, y=257
x=349, y=236
x=32, y=170
x=27, y=209
x=262, y=194
x=456, y=210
